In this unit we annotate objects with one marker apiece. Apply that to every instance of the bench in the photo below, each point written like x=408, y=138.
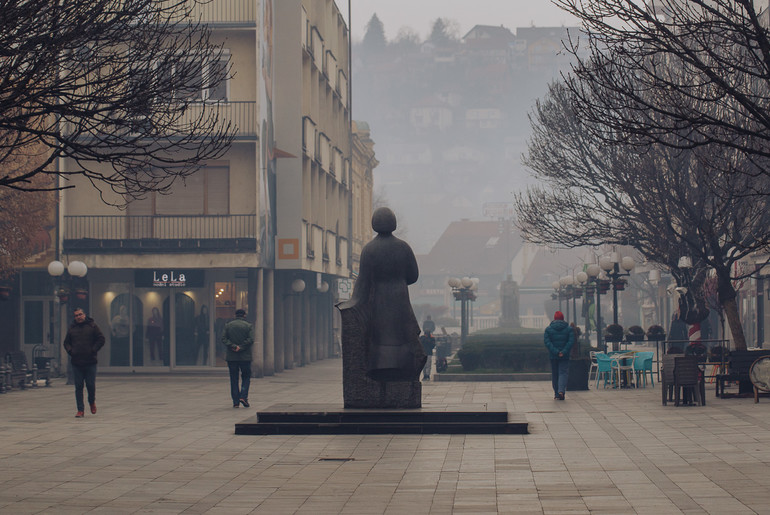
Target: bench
x=17, y=373
x=738, y=366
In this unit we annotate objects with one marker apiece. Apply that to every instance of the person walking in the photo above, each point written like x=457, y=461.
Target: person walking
x=82, y=343
x=428, y=344
x=428, y=326
x=238, y=337
x=559, y=338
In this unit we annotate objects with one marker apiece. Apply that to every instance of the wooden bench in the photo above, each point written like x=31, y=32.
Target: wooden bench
x=738, y=366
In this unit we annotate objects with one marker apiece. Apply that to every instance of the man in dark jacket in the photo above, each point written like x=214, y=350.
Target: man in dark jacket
x=559, y=339
x=238, y=337
x=83, y=341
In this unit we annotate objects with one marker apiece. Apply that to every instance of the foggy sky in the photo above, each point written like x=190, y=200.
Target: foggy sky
x=420, y=14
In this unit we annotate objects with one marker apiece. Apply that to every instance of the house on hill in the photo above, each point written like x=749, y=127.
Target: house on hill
x=492, y=251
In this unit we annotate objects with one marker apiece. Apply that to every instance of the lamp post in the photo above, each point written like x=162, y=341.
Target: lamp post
x=556, y=292
x=611, y=266
x=464, y=290
x=566, y=288
x=65, y=281
x=582, y=279
x=593, y=270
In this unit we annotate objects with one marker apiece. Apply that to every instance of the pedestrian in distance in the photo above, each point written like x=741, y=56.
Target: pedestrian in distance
x=559, y=338
x=428, y=326
x=238, y=337
x=428, y=344
x=82, y=343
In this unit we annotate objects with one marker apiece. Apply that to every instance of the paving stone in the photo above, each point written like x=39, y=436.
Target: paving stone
x=601, y=451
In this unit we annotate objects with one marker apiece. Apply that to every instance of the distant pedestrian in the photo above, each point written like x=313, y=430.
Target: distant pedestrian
x=238, y=337
x=559, y=338
x=428, y=344
x=428, y=326
x=83, y=341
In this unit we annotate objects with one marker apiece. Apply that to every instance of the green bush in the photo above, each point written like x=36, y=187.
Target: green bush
x=505, y=352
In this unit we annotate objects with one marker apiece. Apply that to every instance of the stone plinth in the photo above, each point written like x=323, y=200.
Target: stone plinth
x=358, y=389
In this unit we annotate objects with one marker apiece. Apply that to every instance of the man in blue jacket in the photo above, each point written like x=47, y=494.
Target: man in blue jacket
x=559, y=339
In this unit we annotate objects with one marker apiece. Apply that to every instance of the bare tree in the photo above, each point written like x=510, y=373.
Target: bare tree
x=123, y=82
x=659, y=200
x=23, y=216
x=708, y=62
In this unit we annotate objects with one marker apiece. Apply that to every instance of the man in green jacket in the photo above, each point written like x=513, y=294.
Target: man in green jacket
x=238, y=337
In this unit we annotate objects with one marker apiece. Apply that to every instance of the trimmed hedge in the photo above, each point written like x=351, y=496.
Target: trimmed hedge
x=509, y=352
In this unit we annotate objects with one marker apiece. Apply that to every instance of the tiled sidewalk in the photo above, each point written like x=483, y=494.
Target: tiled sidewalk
x=165, y=444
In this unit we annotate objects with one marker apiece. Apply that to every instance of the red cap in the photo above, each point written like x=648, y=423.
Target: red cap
x=558, y=315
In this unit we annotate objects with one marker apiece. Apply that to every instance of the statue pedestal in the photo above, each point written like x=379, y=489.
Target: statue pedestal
x=331, y=419
x=358, y=389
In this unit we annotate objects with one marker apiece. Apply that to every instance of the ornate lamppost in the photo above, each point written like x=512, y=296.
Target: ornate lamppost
x=611, y=266
x=464, y=290
x=66, y=282
x=595, y=282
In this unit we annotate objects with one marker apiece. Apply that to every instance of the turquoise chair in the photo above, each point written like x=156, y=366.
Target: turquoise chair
x=605, y=366
x=642, y=365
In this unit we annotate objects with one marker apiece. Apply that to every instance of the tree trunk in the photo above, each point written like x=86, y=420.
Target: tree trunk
x=727, y=295
x=734, y=321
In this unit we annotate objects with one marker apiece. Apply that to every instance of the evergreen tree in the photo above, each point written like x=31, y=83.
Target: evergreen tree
x=374, y=39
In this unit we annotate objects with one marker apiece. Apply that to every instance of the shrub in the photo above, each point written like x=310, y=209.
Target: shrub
x=509, y=352
x=634, y=334
x=656, y=333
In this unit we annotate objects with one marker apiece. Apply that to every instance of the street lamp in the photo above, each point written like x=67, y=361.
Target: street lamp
x=556, y=285
x=464, y=290
x=593, y=270
x=611, y=266
x=566, y=288
x=65, y=280
x=582, y=279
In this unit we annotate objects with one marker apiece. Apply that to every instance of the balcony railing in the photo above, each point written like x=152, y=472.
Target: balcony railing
x=242, y=115
x=182, y=233
x=232, y=13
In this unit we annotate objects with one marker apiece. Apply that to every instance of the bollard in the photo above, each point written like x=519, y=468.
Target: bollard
x=34, y=375
x=2, y=378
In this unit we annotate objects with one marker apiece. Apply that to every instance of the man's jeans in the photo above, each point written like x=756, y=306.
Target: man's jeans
x=426, y=369
x=84, y=374
x=244, y=367
x=559, y=373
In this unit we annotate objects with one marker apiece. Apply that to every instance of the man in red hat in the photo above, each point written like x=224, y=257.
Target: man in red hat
x=559, y=339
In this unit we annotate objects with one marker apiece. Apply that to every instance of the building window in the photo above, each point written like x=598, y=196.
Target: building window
x=200, y=76
x=206, y=192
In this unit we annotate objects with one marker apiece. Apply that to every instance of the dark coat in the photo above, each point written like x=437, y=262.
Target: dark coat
x=238, y=333
x=559, y=337
x=83, y=341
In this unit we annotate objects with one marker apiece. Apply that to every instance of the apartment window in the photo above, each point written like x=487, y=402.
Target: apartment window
x=200, y=77
x=206, y=192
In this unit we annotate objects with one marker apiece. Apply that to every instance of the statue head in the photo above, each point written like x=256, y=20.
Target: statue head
x=384, y=221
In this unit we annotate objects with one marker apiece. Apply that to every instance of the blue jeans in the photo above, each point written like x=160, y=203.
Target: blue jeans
x=84, y=374
x=244, y=367
x=559, y=374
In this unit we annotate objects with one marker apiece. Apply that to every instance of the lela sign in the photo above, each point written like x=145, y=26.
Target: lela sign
x=170, y=279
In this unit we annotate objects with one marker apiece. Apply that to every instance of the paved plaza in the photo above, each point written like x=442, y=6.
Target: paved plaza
x=166, y=444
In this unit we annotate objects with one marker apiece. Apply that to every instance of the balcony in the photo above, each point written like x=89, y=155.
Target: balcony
x=118, y=234
x=242, y=115
x=226, y=13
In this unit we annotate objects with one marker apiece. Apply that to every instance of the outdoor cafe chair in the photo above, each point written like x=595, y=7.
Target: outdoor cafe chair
x=624, y=366
x=604, y=369
x=643, y=365
x=594, y=364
